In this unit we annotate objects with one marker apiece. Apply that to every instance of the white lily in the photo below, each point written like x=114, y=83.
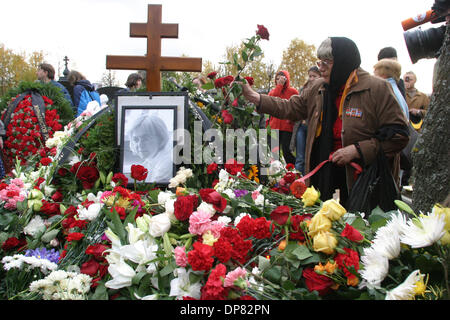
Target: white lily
x=122, y=274
x=140, y=252
x=134, y=234
x=90, y=213
x=181, y=286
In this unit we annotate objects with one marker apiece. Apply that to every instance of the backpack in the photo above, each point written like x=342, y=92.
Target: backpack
x=86, y=97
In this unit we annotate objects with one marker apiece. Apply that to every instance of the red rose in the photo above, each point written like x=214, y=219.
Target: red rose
x=57, y=196
x=262, y=32
x=281, y=214
x=50, y=208
x=212, y=168
x=318, y=282
x=227, y=117
x=88, y=176
x=184, y=206
x=96, y=250
x=211, y=196
x=351, y=233
x=120, y=178
x=138, y=172
x=250, y=80
x=74, y=236
x=201, y=257
x=212, y=75
x=62, y=172
x=297, y=232
x=90, y=267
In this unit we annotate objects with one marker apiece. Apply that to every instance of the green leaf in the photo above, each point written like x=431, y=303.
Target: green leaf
x=49, y=236
x=273, y=274
x=131, y=216
x=167, y=269
x=208, y=86
x=244, y=56
x=137, y=278
x=302, y=252
x=358, y=223
x=117, y=226
x=100, y=293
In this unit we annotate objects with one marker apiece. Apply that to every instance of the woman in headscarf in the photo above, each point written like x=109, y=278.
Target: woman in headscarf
x=345, y=109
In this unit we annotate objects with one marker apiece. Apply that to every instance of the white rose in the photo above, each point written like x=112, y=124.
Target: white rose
x=164, y=196
x=90, y=213
x=159, y=224
x=206, y=207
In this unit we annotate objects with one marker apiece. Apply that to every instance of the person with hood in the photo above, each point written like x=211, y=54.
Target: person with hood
x=351, y=116
x=83, y=91
x=285, y=91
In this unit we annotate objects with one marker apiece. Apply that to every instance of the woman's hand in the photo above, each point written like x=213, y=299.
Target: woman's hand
x=345, y=155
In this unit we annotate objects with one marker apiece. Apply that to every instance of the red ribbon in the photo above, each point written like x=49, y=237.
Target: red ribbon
x=356, y=166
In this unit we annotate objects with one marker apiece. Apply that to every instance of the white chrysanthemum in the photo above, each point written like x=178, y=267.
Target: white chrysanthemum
x=397, y=223
x=424, y=231
x=375, y=268
x=35, y=226
x=259, y=201
x=239, y=217
x=387, y=242
x=224, y=220
x=275, y=167
x=405, y=291
x=181, y=286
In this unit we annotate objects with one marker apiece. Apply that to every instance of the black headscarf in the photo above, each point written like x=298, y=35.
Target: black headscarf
x=346, y=58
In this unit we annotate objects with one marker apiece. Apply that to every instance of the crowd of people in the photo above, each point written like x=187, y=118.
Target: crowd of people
x=344, y=114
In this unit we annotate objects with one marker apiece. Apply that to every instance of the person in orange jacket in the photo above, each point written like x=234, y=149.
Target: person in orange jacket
x=285, y=91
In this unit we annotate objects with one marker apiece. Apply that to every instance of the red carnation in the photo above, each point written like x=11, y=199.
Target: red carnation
x=222, y=250
x=120, y=178
x=12, y=243
x=261, y=228
x=318, y=282
x=184, y=206
x=298, y=188
x=262, y=32
x=281, y=214
x=120, y=211
x=96, y=250
x=233, y=166
x=214, y=289
x=212, y=75
x=50, y=208
x=348, y=260
x=212, y=168
x=201, y=257
x=351, y=233
x=246, y=227
x=138, y=172
x=74, y=236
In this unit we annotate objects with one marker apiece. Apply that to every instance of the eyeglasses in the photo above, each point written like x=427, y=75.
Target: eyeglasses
x=325, y=63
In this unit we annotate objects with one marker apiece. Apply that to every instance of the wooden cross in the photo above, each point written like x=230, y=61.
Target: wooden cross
x=154, y=30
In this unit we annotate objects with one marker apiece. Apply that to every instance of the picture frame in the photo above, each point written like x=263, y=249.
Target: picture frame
x=155, y=118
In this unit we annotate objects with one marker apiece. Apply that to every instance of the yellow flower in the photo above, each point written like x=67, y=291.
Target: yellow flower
x=253, y=173
x=352, y=281
x=201, y=105
x=208, y=238
x=282, y=245
x=421, y=286
x=318, y=224
x=440, y=210
x=330, y=267
x=332, y=209
x=319, y=267
x=310, y=197
x=324, y=242
x=445, y=240
x=122, y=202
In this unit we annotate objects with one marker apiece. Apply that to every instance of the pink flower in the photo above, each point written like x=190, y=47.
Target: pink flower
x=199, y=222
x=215, y=227
x=180, y=256
x=236, y=278
x=255, y=194
x=18, y=182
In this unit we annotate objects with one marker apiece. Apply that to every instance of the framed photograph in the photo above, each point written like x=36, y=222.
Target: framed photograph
x=147, y=133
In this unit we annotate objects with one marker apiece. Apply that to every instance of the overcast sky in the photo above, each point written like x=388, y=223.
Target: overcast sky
x=88, y=30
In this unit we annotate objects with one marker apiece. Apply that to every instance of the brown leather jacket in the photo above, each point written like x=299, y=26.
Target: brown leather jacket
x=368, y=105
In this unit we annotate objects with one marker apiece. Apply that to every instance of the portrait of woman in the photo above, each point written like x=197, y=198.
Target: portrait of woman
x=149, y=142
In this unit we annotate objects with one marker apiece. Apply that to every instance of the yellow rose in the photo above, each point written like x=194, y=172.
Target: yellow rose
x=310, y=197
x=324, y=242
x=333, y=210
x=319, y=223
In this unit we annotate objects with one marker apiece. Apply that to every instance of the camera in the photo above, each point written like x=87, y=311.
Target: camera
x=426, y=44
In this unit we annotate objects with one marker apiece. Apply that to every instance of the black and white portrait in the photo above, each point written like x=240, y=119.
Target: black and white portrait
x=148, y=141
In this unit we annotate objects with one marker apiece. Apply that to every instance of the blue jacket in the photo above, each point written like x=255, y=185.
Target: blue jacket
x=63, y=89
x=83, y=93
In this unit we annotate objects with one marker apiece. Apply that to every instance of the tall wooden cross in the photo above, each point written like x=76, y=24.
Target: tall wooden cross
x=154, y=30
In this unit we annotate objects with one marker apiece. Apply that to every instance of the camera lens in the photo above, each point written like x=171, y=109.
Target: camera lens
x=424, y=44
